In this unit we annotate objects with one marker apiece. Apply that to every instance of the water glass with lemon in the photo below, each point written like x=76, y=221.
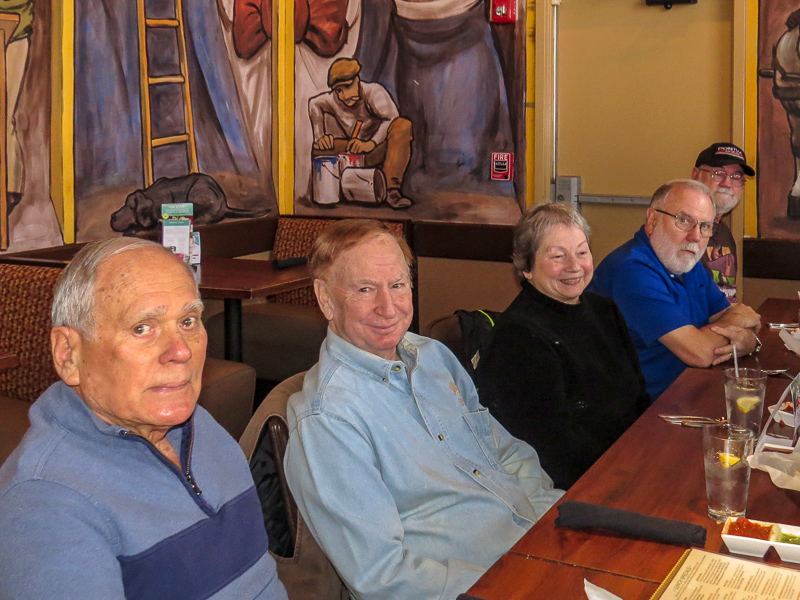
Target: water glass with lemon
x=725, y=451
x=744, y=397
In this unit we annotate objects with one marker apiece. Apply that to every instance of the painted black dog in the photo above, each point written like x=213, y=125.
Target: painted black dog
x=142, y=208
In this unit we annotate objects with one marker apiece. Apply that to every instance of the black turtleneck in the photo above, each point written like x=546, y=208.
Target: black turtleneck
x=563, y=377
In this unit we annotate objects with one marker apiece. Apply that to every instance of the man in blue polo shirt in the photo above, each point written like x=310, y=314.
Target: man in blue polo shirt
x=677, y=315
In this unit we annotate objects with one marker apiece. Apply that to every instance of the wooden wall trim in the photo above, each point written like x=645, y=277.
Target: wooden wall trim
x=463, y=241
x=767, y=258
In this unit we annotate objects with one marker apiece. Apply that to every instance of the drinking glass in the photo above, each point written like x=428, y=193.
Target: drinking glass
x=725, y=451
x=744, y=397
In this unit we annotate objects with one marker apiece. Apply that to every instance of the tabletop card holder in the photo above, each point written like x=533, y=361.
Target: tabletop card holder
x=767, y=441
x=176, y=234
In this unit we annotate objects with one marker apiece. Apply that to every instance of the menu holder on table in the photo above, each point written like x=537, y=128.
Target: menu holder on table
x=767, y=441
x=701, y=574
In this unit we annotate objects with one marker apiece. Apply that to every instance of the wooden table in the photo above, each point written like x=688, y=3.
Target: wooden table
x=233, y=280
x=552, y=580
x=656, y=469
x=8, y=360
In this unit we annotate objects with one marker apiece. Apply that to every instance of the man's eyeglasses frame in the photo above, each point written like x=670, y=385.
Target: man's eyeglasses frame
x=686, y=222
x=720, y=175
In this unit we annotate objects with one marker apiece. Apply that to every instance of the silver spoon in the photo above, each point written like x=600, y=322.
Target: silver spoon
x=778, y=372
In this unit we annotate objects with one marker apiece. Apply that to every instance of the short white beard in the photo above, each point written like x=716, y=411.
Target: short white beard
x=668, y=255
x=724, y=201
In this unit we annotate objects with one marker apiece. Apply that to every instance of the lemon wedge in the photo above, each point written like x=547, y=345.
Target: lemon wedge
x=747, y=403
x=727, y=460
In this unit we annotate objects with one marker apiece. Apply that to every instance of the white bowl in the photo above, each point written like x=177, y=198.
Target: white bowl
x=754, y=547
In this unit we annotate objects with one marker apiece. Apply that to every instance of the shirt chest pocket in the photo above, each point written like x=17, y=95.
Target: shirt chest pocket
x=480, y=423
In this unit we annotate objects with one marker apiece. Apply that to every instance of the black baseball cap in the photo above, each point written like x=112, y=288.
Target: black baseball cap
x=719, y=155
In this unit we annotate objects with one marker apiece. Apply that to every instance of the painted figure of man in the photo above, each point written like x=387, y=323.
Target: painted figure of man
x=361, y=118
x=786, y=88
x=722, y=168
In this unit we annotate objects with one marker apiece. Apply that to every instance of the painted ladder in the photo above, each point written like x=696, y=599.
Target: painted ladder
x=145, y=83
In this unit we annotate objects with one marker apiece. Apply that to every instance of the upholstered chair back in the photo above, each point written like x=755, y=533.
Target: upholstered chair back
x=26, y=295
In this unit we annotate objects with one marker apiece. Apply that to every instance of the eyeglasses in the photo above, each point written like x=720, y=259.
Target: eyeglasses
x=686, y=222
x=718, y=175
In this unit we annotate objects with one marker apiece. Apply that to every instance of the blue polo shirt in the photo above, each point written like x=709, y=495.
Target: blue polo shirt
x=654, y=302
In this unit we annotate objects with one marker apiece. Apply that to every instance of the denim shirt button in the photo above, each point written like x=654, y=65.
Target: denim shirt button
x=441, y=437
x=476, y=471
x=385, y=380
x=396, y=368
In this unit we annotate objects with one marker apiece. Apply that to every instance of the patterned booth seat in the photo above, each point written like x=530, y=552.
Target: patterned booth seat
x=27, y=293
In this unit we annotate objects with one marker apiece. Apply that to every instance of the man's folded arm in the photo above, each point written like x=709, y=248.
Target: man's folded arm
x=333, y=475
x=712, y=343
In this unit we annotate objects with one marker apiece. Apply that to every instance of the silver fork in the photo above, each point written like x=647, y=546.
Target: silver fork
x=692, y=420
x=778, y=372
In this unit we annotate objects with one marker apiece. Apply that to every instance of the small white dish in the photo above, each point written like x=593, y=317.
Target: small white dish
x=754, y=547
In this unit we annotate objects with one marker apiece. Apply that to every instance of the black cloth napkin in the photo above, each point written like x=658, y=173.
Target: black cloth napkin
x=581, y=514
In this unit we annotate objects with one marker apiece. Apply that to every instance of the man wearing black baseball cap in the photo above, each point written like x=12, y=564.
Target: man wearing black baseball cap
x=723, y=168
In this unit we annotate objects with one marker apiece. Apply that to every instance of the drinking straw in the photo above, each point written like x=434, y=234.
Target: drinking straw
x=735, y=361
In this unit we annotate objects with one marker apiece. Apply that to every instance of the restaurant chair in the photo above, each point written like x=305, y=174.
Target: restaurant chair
x=25, y=331
x=466, y=333
x=283, y=336
x=448, y=331
x=303, y=567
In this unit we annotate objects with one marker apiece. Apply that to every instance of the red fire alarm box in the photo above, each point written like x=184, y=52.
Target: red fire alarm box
x=502, y=166
x=503, y=11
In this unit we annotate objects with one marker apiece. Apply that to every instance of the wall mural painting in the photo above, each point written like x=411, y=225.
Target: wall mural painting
x=32, y=220
x=779, y=119
x=229, y=175
x=400, y=105
x=112, y=191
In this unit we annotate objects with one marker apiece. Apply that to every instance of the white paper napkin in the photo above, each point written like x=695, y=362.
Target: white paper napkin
x=783, y=469
x=792, y=339
x=594, y=592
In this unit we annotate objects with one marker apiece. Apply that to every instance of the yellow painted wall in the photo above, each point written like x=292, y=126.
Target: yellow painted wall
x=641, y=90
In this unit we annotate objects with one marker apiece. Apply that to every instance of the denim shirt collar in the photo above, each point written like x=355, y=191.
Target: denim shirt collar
x=370, y=364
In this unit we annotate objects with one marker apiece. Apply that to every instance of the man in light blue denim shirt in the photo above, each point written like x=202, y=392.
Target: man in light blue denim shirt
x=409, y=485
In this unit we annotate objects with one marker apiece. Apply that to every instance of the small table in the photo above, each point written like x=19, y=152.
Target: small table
x=233, y=279
x=8, y=360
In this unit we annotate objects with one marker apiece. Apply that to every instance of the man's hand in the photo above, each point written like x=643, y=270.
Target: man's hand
x=324, y=143
x=356, y=146
x=739, y=315
x=742, y=338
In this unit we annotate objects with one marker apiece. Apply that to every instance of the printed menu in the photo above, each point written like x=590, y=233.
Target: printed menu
x=701, y=575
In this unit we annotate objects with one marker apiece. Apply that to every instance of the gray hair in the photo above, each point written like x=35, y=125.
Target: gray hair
x=535, y=224
x=74, y=297
x=660, y=196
